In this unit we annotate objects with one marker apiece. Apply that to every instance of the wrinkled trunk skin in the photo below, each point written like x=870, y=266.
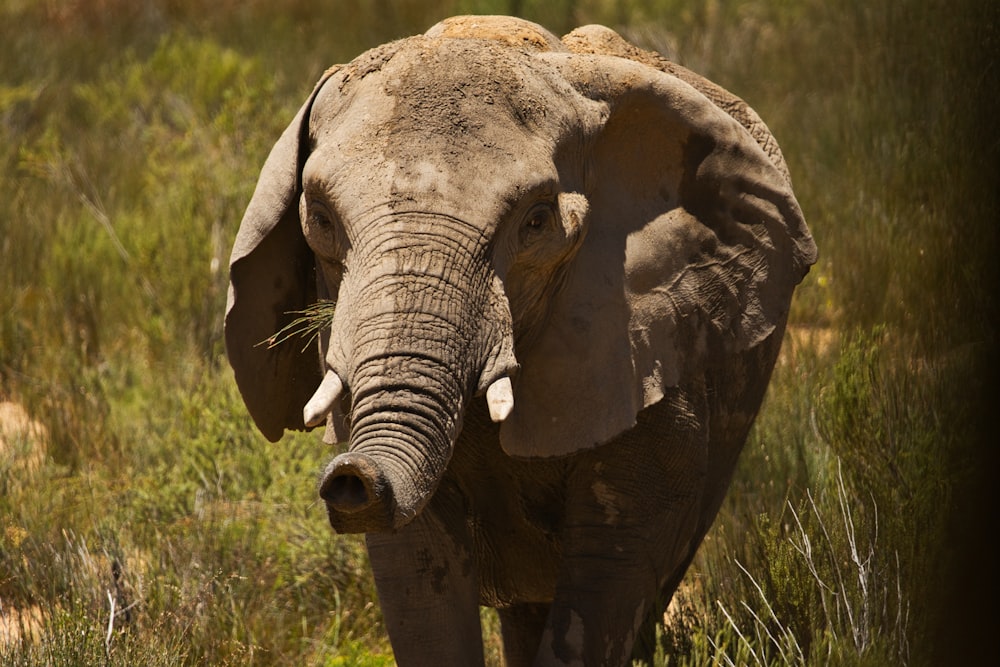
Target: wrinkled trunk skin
x=409, y=340
x=401, y=441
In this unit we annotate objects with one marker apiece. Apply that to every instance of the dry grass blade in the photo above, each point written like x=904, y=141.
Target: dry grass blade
x=309, y=323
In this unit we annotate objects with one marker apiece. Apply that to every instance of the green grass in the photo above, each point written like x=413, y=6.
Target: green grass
x=160, y=529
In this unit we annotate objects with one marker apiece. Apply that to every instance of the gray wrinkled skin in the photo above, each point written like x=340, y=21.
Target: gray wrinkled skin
x=614, y=234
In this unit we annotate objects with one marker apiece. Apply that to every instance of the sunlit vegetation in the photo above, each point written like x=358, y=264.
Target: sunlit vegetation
x=143, y=520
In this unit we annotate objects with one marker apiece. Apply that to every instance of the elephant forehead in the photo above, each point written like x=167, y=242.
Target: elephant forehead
x=473, y=123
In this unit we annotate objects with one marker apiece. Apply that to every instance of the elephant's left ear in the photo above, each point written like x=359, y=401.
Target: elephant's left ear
x=271, y=276
x=695, y=243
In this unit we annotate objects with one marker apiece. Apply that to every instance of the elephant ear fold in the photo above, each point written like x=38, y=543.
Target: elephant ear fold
x=272, y=275
x=694, y=245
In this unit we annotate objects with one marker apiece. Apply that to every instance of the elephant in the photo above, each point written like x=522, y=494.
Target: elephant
x=560, y=272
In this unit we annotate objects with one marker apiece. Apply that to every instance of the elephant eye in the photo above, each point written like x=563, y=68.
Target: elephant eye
x=322, y=233
x=541, y=217
x=318, y=214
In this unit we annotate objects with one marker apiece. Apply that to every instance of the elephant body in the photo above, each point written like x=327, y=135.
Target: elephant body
x=602, y=537
x=562, y=272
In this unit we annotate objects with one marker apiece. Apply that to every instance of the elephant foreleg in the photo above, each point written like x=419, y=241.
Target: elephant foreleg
x=429, y=593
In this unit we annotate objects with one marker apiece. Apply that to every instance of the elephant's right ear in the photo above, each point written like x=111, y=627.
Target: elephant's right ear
x=272, y=275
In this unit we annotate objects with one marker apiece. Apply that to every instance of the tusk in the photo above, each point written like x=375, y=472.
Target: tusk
x=500, y=398
x=321, y=403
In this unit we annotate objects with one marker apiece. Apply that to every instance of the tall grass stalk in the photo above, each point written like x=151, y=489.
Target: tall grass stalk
x=833, y=585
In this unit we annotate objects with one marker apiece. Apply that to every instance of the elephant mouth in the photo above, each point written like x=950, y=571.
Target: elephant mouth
x=396, y=455
x=499, y=399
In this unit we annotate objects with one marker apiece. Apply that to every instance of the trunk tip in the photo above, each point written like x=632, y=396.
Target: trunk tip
x=358, y=495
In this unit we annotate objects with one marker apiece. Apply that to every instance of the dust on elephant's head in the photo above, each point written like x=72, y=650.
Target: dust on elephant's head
x=563, y=229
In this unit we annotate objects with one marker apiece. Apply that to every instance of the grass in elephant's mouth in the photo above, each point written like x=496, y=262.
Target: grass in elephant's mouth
x=308, y=325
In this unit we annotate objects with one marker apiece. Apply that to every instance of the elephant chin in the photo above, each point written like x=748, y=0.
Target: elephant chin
x=360, y=496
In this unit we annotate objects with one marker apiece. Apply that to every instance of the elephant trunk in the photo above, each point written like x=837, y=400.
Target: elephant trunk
x=412, y=354
x=403, y=428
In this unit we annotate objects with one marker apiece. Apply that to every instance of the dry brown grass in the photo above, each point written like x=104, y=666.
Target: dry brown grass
x=808, y=340
x=19, y=624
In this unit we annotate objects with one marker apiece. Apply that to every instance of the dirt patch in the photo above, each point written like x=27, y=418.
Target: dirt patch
x=682, y=607
x=22, y=440
x=803, y=342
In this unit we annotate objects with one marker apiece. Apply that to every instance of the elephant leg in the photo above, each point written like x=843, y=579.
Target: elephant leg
x=428, y=589
x=522, y=626
x=604, y=599
x=633, y=521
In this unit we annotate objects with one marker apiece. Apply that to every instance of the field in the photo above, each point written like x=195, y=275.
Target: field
x=144, y=521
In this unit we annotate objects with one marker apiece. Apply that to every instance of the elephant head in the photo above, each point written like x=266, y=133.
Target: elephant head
x=559, y=228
